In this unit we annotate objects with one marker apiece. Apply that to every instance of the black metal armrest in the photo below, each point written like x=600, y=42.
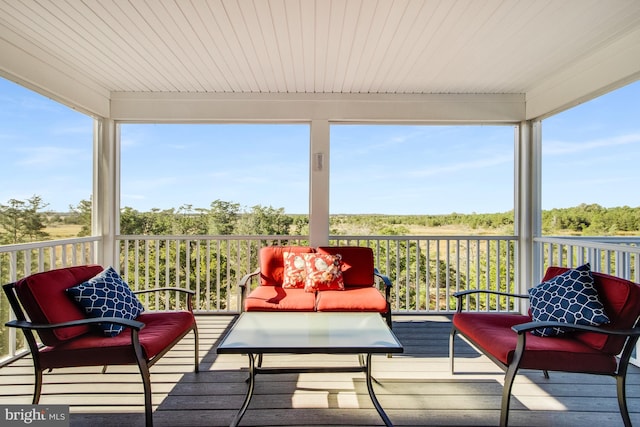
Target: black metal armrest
x=245, y=285
x=24, y=324
x=387, y=283
x=486, y=291
x=146, y=291
x=461, y=294
x=188, y=292
x=525, y=327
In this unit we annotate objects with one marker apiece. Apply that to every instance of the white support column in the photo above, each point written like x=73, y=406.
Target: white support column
x=536, y=191
x=105, y=190
x=528, y=212
x=319, y=183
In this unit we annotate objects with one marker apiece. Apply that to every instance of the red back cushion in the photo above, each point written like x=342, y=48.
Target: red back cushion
x=272, y=263
x=358, y=264
x=621, y=300
x=44, y=300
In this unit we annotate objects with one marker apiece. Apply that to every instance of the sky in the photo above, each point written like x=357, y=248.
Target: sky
x=590, y=155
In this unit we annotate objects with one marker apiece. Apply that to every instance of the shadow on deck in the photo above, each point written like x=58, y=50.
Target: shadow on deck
x=415, y=388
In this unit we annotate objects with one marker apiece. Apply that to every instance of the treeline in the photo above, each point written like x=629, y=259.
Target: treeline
x=26, y=221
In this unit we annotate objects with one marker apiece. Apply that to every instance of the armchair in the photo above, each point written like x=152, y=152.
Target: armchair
x=68, y=338
x=507, y=338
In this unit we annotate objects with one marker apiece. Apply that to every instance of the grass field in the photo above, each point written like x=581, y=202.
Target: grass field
x=63, y=231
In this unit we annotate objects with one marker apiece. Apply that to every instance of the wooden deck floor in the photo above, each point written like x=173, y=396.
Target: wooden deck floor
x=415, y=388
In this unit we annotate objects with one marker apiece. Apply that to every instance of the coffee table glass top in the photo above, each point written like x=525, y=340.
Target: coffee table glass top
x=296, y=332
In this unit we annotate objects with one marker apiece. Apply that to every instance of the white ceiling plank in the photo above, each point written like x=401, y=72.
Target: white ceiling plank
x=307, y=33
x=46, y=31
x=235, y=23
x=290, y=68
x=207, y=47
x=228, y=54
x=171, y=37
x=133, y=30
x=198, y=49
x=267, y=46
x=362, y=31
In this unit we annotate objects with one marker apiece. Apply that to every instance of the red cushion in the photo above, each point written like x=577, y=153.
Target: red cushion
x=44, y=300
x=621, y=300
x=272, y=263
x=365, y=298
x=358, y=264
x=493, y=333
x=94, y=349
x=275, y=298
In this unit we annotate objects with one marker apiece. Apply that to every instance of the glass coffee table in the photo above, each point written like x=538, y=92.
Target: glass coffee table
x=258, y=333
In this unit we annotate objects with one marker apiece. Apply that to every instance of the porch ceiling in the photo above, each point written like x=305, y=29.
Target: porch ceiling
x=554, y=52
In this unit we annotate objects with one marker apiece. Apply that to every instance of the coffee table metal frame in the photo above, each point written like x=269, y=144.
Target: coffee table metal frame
x=259, y=333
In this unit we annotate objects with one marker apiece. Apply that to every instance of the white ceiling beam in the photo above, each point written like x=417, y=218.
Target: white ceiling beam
x=180, y=107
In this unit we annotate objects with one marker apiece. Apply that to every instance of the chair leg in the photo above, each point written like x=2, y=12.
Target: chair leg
x=452, y=337
x=196, y=352
x=622, y=399
x=146, y=377
x=37, y=387
x=506, y=393
x=146, y=384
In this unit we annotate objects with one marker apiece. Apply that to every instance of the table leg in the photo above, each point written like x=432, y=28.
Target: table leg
x=372, y=395
x=247, y=398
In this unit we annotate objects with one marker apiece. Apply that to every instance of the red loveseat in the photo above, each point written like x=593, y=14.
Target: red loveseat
x=507, y=339
x=69, y=339
x=359, y=274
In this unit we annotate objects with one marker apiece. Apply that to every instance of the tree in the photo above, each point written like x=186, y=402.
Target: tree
x=266, y=220
x=82, y=214
x=22, y=221
x=223, y=217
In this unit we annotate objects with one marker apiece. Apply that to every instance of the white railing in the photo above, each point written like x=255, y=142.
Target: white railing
x=23, y=259
x=617, y=256
x=425, y=271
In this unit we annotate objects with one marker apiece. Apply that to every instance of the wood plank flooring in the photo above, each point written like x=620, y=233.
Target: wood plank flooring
x=415, y=388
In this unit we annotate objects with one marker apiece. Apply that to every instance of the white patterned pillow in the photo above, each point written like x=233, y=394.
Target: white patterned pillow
x=570, y=298
x=107, y=295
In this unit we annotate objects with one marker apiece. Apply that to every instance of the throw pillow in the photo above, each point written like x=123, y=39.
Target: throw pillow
x=570, y=298
x=107, y=295
x=324, y=272
x=295, y=271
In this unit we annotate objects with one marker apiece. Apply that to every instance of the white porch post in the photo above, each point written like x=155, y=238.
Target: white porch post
x=319, y=183
x=105, y=190
x=536, y=182
x=528, y=203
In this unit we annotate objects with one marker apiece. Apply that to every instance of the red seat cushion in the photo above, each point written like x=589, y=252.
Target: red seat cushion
x=94, y=349
x=365, y=298
x=271, y=260
x=358, y=264
x=275, y=298
x=621, y=300
x=44, y=300
x=493, y=333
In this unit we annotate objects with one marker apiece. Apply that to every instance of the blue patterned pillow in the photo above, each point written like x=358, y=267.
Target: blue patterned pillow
x=570, y=298
x=107, y=295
